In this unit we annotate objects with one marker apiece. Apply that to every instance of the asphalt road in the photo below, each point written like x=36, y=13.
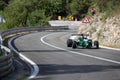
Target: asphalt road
x=58, y=62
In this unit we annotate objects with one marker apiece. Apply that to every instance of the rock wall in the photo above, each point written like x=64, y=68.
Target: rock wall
x=108, y=32
x=111, y=32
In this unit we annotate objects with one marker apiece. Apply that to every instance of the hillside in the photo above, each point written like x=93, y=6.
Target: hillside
x=110, y=34
x=19, y=13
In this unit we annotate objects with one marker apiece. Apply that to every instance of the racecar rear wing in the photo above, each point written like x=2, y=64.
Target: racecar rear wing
x=79, y=34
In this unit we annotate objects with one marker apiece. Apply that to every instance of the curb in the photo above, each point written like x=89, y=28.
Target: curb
x=109, y=48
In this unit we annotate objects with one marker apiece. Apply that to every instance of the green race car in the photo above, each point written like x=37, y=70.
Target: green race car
x=81, y=41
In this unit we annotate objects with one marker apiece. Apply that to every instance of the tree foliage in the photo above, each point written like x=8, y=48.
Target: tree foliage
x=79, y=8
x=22, y=13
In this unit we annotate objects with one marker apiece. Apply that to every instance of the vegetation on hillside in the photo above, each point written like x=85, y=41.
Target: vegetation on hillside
x=22, y=13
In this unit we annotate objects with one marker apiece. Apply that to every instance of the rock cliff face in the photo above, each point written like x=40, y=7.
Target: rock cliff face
x=108, y=32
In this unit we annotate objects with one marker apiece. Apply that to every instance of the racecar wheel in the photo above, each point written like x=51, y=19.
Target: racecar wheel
x=74, y=45
x=89, y=43
x=96, y=43
x=69, y=43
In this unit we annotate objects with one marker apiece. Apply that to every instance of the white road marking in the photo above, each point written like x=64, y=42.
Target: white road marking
x=34, y=65
x=91, y=56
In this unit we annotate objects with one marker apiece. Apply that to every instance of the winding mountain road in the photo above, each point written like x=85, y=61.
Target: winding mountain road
x=58, y=62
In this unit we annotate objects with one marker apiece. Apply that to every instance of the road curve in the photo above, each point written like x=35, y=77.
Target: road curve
x=58, y=62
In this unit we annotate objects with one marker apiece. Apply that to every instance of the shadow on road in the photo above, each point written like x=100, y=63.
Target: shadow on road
x=56, y=50
x=50, y=51
x=50, y=69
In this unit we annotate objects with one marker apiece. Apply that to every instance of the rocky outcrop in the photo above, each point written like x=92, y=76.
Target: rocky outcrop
x=108, y=32
x=111, y=32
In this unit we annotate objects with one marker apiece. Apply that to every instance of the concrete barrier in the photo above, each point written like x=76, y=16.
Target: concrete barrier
x=70, y=24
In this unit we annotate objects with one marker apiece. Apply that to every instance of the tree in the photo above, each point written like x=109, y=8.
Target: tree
x=3, y=4
x=79, y=8
x=38, y=18
x=17, y=12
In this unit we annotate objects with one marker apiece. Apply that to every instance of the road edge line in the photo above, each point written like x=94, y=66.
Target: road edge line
x=35, y=69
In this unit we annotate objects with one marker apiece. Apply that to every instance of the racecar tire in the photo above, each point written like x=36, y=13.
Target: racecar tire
x=96, y=43
x=69, y=43
x=89, y=43
x=74, y=45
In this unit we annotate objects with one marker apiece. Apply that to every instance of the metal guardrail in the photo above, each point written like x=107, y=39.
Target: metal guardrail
x=6, y=61
x=6, y=65
x=29, y=29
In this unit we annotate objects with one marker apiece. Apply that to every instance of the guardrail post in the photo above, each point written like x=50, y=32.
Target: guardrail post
x=5, y=50
x=1, y=40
